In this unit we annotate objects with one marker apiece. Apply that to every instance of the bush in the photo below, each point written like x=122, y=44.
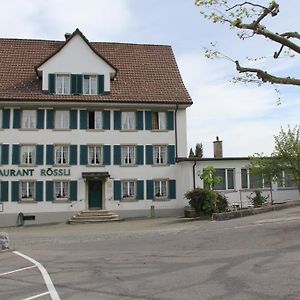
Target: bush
x=257, y=200
x=206, y=201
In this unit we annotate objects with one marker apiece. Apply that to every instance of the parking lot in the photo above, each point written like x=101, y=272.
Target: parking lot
x=256, y=257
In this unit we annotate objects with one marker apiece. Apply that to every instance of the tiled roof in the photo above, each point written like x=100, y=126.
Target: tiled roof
x=146, y=73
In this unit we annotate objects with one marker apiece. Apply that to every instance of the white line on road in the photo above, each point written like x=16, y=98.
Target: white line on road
x=37, y=296
x=52, y=291
x=11, y=272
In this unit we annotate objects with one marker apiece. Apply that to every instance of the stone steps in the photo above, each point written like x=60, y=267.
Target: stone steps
x=94, y=216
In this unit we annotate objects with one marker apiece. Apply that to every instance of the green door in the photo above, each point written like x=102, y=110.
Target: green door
x=95, y=194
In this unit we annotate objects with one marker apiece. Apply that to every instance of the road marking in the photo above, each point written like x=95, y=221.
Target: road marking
x=52, y=291
x=37, y=296
x=11, y=272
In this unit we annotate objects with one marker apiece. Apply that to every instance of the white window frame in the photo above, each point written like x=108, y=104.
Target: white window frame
x=63, y=84
x=128, y=155
x=95, y=153
x=1, y=118
x=160, y=154
x=249, y=182
x=159, y=120
x=62, y=190
x=89, y=84
x=27, y=190
x=128, y=120
x=226, y=179
x=61, y=152
x=285, y=182
x=27, y=153
x=98, y=119
x=128, y=189
x=160, y=188
x=62, y=119
x=28, y=119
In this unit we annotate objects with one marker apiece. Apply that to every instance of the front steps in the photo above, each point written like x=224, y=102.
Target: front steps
x=94, y=216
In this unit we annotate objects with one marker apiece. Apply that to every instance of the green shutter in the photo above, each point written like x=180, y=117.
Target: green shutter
x=139, y=120
x=171, y=154
x=83, y=119
x=150, y=189
x=76, y=84
x=117, y=190
x=106, y=154
x=148, y=120
x=4, y=154
x=73, y=190
x=100, y=79
x=83, y=155
x=49, y=154
x=106, y=119
x=117, y=120
x=73, y=154
x=40, y=119
x=49, y=191
x=39, y=156
x=15, y=197
x=5, y=118
x=51, y=83
x=17, y=118
x=15, y=154
x=172, y=189
x=149, y=155
x=170, y=120
x=73, y=119
x=4, y=191
x=39, y=189
x=140, y=190
x=50, y=119
x=139, y=154
x=117, y=154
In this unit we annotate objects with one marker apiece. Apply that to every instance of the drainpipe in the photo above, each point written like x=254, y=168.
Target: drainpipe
x=194, y=174
x=176, y=152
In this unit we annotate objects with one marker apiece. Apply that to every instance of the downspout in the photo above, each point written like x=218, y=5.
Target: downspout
x=176, y=152
x=194, y=174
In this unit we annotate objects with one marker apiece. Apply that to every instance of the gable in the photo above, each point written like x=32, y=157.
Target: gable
x=76, y=57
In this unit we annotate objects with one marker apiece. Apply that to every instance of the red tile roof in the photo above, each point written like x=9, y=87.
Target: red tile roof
x=146, y=73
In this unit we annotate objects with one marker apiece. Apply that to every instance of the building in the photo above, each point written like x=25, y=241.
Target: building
x=90, y=125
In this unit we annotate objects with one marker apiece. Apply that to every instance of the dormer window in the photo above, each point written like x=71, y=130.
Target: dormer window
x=89, y=84
x=62, y=84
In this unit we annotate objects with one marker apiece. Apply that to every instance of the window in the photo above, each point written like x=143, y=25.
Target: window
x=28, y=119
x=89, y=84
x=27, y=190
x=27, y=155
x=159, y=155
x=61, y=190
x=285, y=180
x=253, y=181
x=95, y=120
x=128, y=120
x=61, y=155
x=62, y=84
x=95, y=155
x=1, y=118
x=227, y=179
x=128, y=190
x=160, y=189
x=128, y=155
x=62, y=119
x=159, y=120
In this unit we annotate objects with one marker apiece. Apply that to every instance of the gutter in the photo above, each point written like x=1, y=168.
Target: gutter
x=176, y=141
x=194, y=174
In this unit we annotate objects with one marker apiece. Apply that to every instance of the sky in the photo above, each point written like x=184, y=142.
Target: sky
x=245, y=117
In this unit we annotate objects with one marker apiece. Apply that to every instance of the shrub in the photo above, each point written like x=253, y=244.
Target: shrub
x=221, y=203
x=257, y=200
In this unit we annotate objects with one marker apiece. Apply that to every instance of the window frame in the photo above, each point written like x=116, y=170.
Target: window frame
x=67, y=147
x=33, y=154
x=26, y=117
x=64, y=122
x=96, y=125
x=126, y=152
x=160, y=195
x=126, y=124
x=126, y=184
x=61, y=187
x=90, y=88
x=158, y=122
x=94, y=154
x=250, y=181
x=28, y=183
x=285, y=181
x=159, y=155
x=226, y=181
x=65, y=86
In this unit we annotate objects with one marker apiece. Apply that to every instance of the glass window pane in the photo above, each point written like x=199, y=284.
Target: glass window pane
x=255, y=181
x=222, y=184
x=230, y=179
x=244, y=175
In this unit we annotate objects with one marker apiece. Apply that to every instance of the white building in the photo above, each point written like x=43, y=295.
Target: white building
x=89, y=126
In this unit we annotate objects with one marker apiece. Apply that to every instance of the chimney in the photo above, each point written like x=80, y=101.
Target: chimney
x=218, y=149
x=67, y=35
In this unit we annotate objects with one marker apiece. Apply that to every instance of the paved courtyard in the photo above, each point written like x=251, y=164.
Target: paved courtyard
x=256, y=257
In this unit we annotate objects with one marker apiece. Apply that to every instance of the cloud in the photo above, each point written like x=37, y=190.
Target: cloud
x=51, y=19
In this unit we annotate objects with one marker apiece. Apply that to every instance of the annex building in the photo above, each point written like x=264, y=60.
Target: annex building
x=89, y=125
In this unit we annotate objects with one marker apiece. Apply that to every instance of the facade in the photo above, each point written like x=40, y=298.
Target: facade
x=89, y=126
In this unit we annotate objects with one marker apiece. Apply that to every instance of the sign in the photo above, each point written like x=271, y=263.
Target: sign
x=48, y=172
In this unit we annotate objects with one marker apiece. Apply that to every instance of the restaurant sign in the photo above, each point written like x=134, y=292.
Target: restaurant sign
x=48, y=172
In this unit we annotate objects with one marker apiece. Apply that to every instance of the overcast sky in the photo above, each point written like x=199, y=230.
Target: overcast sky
x=244, y=117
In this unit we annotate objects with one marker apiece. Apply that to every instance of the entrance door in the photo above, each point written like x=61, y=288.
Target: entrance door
x=95, y=194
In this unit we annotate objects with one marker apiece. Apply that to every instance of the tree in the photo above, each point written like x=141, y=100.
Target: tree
x=199, y=150
x=209, y=178
x=248, y=17
x=287, y=152
x=191, y=154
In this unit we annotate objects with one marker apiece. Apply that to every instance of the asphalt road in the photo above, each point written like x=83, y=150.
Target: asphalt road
x=256, y=257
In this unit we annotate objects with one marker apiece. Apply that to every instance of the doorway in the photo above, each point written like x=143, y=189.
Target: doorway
x=95, y=194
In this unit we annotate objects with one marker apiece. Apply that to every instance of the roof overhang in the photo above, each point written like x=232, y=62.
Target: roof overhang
x=95, y=175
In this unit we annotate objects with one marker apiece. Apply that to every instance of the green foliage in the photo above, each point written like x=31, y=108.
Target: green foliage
x=208, y=177
x=199, y=150
x=257, y=200
x=206, y=201
x=191, y=154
